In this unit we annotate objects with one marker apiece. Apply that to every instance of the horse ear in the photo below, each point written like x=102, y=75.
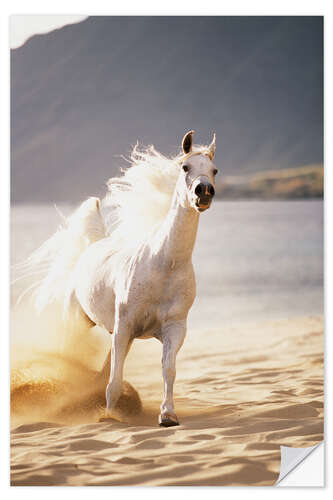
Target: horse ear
x=187, y=142
x=212, y=147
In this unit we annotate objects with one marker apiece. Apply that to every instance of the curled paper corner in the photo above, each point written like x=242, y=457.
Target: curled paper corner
x=292, y=457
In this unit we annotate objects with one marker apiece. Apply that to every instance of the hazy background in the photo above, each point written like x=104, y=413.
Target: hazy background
x=249, y=375
x=83, y=94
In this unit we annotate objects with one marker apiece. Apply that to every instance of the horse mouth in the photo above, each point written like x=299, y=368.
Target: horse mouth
x=202, y=206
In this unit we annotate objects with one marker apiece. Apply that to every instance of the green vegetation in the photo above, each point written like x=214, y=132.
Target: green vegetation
x=292, y=183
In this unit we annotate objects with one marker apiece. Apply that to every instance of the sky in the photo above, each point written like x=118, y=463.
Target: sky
x=23, y=27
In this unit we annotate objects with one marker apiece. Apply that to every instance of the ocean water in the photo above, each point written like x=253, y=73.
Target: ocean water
x=254, y=260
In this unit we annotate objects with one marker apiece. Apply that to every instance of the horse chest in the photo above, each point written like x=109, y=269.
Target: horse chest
x=162, y=294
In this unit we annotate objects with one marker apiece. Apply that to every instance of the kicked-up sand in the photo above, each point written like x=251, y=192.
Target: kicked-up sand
x=240, y=393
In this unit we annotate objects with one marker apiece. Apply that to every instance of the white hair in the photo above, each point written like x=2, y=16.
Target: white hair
x=138, y=201
x=135, y=206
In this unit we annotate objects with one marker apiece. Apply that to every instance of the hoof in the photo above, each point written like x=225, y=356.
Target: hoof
x=167, y=421
x=107, y=419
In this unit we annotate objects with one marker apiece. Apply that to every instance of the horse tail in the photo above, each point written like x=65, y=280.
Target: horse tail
x=56, y=258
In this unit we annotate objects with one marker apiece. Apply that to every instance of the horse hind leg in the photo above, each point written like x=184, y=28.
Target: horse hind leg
x=103, y=375
x=77, y=323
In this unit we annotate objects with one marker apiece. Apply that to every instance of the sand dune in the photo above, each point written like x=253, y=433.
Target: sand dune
x=240, y=393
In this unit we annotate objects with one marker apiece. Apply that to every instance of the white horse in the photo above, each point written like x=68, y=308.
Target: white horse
x=126, y=264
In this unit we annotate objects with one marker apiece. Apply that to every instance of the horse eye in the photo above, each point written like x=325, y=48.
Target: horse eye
x=185, y=168
x=215, y=171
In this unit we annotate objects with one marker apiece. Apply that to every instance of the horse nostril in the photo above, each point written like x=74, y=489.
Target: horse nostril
x=204, y=190
x=199, y=190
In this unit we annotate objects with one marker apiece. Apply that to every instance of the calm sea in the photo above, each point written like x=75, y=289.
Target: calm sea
x=254, y=260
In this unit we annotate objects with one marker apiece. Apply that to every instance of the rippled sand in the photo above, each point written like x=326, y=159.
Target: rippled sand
x=241, y=392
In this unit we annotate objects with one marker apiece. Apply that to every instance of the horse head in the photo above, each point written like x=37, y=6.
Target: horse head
x=198, y=172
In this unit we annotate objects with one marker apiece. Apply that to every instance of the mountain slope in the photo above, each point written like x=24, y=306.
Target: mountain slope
x=83, y=94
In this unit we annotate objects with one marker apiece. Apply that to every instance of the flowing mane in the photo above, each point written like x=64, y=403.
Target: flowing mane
x=138, y=201
x=133, y=209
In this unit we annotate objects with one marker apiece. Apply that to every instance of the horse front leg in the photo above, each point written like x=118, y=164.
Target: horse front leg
x=173, y=335
x=121, y=343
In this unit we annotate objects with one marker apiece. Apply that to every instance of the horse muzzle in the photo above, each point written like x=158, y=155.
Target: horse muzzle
x=204, y=192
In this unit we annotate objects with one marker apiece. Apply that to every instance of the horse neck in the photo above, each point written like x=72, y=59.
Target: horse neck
x=178, y=233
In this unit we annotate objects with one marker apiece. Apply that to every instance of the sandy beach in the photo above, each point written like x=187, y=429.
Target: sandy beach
x=249, y=376
x=241, y=392
x=132, y=158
